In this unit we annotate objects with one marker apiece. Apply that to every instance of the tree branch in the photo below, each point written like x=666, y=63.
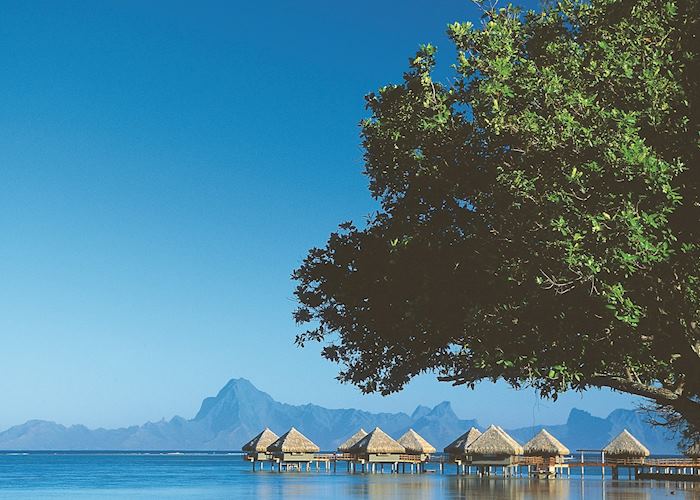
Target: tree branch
x=658, y=394
x=688, y=407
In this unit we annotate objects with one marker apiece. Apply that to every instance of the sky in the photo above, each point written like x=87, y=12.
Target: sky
x=164, y=166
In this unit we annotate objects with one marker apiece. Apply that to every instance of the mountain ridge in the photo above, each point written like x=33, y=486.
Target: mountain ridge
x=240, y=410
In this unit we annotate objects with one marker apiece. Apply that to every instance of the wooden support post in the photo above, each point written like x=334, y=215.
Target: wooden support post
x=602, y=461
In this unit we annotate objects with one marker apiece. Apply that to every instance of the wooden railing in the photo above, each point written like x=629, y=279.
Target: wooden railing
x=672, y=462
x=624, y=461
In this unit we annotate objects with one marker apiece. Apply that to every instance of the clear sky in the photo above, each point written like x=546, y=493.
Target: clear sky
x=163, y=168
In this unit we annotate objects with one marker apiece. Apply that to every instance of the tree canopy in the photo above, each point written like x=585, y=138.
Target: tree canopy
x=540, y=212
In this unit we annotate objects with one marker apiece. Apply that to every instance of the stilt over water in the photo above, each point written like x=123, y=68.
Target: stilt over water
x=492, y=453
x=550, y=454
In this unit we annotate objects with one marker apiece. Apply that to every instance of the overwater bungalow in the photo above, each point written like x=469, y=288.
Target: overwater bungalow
x=456, y=451
x=256, y=448
x=548, y=452
x=351, y=441
x=495, y=448
x=377, y=447
x=416, y=445
x=627, y=449
x=294, y=448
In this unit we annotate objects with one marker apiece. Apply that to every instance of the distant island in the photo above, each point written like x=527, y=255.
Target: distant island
x=240, y=410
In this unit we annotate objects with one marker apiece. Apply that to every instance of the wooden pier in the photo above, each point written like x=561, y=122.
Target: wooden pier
x=677, y=469
x=492, y=453
x=682, y=468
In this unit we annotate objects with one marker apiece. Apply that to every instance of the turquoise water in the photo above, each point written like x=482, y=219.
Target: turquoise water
x=198, y=476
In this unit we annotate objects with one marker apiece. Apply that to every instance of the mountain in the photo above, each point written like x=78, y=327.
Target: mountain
x=240, y=410
x=584, y=431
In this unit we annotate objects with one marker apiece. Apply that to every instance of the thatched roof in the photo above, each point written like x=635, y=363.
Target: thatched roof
x=377, y=441
x=260, y=442
x=626, y=445
x=693, y=451
x=344, y=447
x=414, y=443
x=510, y=438
x=459, y=445
x=544, y=444
x=495, y=441
x=293, y=441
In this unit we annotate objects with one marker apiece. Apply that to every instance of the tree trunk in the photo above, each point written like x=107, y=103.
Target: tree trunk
x=685, y=406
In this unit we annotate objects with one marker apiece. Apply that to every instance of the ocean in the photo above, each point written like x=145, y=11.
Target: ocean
x=226, y=476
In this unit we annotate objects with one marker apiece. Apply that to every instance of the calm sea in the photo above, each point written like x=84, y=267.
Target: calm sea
x=198, y=476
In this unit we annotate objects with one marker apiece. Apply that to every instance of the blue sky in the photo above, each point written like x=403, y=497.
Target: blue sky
x=164, y=167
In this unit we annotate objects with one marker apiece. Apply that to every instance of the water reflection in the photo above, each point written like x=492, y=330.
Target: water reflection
x=520, y=489
x=448, y=487
x=195, y=477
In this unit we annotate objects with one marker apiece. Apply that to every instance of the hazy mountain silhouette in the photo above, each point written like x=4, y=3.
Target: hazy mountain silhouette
x=240, y=410
x=583, y=430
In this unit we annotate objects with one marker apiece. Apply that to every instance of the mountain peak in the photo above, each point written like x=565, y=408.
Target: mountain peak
x=237, y=384
x=419, y=412
x=443, y=409
x=576, y=415
x=227, y=399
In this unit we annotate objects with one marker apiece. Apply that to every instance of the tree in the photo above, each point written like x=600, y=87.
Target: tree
x=540, y=212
